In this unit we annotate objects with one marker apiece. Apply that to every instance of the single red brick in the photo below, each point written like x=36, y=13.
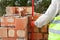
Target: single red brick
x=9, y=21
x=8, y=38
x=45, y=36
x=2, y=21
x=3, y=32
x=21, y=23
x=13, y=38
x=16, y=10
x=21, y=39
x=11, y=32
x=38, y=36
x=36, y=29
x=10, y=10
x=44, y=29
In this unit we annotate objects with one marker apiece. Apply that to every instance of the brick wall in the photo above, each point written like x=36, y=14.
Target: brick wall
x=13, y=29
x=39, y=33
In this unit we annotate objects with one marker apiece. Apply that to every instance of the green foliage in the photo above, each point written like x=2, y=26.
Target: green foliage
x=5, y=3
x=42, y=6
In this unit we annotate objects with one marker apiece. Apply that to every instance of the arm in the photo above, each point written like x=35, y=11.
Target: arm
x=48, y=16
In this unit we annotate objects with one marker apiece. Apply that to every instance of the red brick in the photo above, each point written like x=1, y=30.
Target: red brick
x=23, y=13
x=9, y=38
x=2, y=21
x=9, y=21
x=12, y=32
x=12, y=38
x=21, y=33
x=45, y=36
x=29, y=10
x=21, y=23
x=10, y=10
x=17, y=10
x=36, y=29
x=30, y=18
x=21, y=39
x=44, y=29
x=38, y=36
x=29, y=21
x=3, y=32
x=36, y=16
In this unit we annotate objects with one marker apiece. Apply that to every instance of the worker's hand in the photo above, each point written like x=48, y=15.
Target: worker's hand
x=32, y=24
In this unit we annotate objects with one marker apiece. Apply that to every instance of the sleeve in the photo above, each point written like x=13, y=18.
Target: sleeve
x=48, y=16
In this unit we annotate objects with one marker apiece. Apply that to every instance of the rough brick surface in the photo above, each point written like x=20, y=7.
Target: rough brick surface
x=39, y=33
x=44, y=29
x=36, y=16
x=45, y=36
x=2, y=21
x=12, y=32
x=36, y=29
x=3, y=32
x=10, y=10
x=13, y=38
x=38, y=36
x=8, y=38
x=19, y=30
x=21, y=11
x=21, y=23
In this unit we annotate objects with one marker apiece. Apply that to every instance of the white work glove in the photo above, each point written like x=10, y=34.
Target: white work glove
x=49, y=14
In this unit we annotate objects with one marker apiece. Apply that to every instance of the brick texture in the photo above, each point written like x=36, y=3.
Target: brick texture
x=21, y=23
x=38, y=36
x=45, y=36
x=16, y=28
x=39, y=33
x=10, y=10
x=8, y=38
x=36, y=29
x=21, y=11
x=11, y=38
x=12, y=32
x=44, y=29
x=3, y=32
